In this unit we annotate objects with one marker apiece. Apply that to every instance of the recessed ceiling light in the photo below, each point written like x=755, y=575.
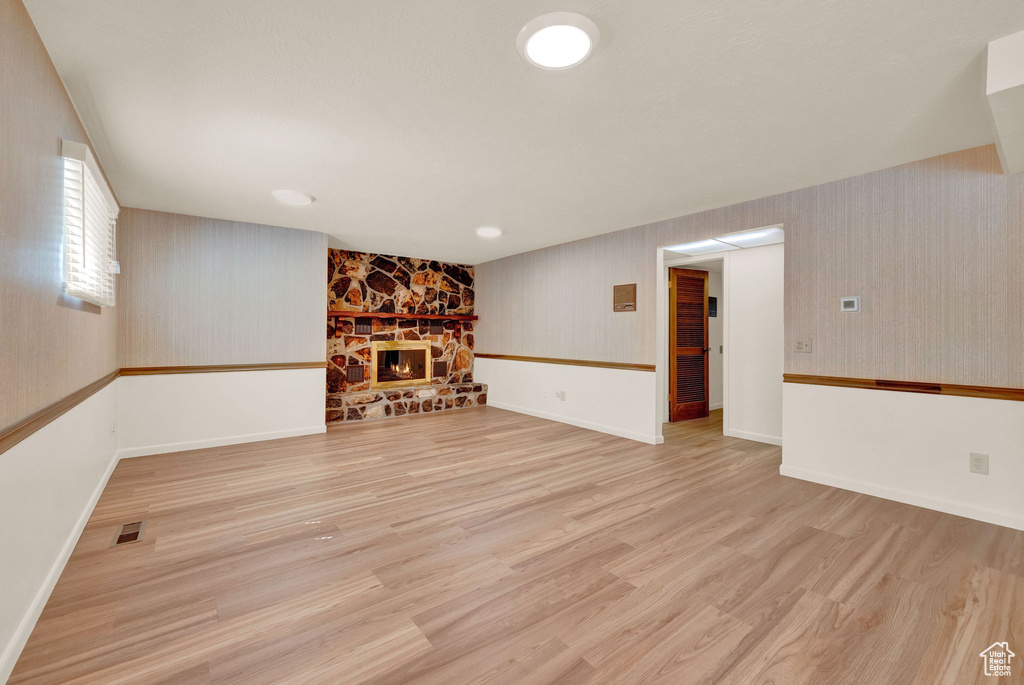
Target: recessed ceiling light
x=293, y=197
x=558, y=40
x=488, y=231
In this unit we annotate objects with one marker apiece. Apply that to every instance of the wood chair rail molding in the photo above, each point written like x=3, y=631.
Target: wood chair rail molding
x=219, y=368
x=983, y=391
x=569, y=362
x=16, y=432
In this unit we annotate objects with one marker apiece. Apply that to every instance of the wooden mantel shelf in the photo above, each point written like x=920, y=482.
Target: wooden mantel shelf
x=394, y=315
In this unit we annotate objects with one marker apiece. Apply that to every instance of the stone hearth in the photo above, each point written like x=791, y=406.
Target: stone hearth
x=380, y=404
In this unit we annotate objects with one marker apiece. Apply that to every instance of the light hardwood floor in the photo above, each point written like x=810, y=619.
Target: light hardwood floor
x=483, y=546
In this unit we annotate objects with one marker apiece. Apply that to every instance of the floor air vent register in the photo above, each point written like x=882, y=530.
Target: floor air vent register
x=128, y=533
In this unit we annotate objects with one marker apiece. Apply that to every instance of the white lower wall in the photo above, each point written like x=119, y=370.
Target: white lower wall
x=615, y=401
x=909, y=447
x=174, y=412
x=66, y=464
x=63, y=467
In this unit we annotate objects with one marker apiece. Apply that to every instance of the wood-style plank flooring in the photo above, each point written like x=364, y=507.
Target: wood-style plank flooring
x=483, y=546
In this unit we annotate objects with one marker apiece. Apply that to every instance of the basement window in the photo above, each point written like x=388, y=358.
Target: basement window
x=90, y=216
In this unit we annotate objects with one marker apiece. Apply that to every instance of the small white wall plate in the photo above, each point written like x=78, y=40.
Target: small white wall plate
x=849, y=304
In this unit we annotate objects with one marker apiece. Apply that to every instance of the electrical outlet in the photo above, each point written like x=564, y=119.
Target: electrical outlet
x=802, y=346
x=979, y=463
x=560, y=395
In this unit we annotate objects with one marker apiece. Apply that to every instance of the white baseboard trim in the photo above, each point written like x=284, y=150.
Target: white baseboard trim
x=650, y=439
x=756, y=437
x=717, y=405
x=28, y=622
x=999, y=518
x=146, y=450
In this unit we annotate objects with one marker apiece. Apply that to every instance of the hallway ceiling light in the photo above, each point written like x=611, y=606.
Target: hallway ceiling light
x=558, y=40
x=769, y=235
x=293, y=197
x=488, y=231
x=702, y=247
x=755, y=238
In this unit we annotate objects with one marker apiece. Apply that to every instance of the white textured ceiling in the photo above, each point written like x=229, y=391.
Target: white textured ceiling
x=414, y=122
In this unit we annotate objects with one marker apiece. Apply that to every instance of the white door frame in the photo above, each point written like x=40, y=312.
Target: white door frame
x=667, y=260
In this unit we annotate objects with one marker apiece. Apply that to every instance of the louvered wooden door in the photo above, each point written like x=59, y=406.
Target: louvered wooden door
x=688, y=344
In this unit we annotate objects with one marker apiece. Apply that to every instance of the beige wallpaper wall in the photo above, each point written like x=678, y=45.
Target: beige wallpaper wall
x=197, y=291
x=50, y=345
x=935, y=249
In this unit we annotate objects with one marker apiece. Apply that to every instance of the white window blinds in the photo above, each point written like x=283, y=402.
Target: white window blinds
x=90, y=215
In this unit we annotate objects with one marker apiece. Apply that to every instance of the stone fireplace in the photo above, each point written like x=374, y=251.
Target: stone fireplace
x=399, y=337
x=399, y=363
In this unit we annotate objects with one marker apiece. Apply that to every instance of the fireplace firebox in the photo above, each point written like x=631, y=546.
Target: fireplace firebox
x=400, y=363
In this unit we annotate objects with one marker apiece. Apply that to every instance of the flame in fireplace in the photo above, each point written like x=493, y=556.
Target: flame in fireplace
x=397, y=363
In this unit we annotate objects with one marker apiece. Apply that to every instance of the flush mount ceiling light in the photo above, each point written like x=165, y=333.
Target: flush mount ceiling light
x=701, y=247
x=755, y=238
x=488, y=231
x=769, y=235
x=558, y=40
x=293, y=197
